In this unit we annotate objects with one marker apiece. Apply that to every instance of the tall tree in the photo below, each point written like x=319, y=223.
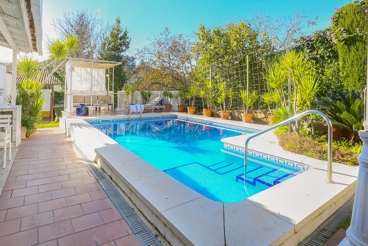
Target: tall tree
x=169, y=59
x=113, y=48
x=349, y=27
x=89, y=30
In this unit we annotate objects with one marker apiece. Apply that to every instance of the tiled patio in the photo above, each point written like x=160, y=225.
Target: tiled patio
x=51, y=198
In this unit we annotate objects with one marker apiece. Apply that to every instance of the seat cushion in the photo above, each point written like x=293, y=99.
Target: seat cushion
x=78, y=99
x=87, y=99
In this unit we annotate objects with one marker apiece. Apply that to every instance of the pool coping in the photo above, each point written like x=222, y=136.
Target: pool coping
x=283, y=214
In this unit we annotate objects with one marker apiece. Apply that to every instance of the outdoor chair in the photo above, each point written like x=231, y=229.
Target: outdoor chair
x=154, y=103
x=5, y=135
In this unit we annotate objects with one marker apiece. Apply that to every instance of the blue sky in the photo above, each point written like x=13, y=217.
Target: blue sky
x=144, y=18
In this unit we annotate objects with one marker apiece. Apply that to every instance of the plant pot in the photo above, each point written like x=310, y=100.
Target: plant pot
x=225, y=114
x=207, y=112
x=181, y=108
x=168, y=107
x=272, y=120
x=191, y=110
x=247, y=118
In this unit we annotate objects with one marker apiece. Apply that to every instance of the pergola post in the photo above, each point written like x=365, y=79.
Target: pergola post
x=13, y=90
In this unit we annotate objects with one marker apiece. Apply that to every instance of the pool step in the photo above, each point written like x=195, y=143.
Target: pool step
x=223, y=167
x=266, y=175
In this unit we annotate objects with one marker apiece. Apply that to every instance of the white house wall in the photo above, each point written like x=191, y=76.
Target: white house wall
x=47, y=96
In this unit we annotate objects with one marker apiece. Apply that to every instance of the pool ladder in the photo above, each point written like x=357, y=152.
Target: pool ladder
x=329, y=139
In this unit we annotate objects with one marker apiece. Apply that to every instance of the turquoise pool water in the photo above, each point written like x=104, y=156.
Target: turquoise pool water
x=193, y=154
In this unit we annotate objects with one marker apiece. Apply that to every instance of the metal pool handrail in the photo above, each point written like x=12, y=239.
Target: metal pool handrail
x=329, y=139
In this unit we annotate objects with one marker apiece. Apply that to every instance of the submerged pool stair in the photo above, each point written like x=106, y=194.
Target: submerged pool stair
x=266, y=175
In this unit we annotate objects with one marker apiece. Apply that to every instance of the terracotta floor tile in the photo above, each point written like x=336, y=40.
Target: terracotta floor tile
x=87, y=222
x=55, y=230
x=78, y=199
x=59, y=178
x=72, y=183
x=87, y=188
x=68, y=212
x=23, y=238
x=37, y=220
x=79, y=175
x=38, y=182
x=48, y=174
x=11, y=203
x=40, y=197
x=23, y=211
x=56, y=168
x=6, y=194
x=51, y=205
x=27, y=167
x=109, y=232
x=97, y=195
x=25, y=191
x=49, y=243
x=18, y=173
x=130, y=240
x=89, y=180
x=84, y=238
x=110, y=215
x=95, y=206
x=50, y=187
x=10, y=180
x=67, y=171
x=9, y=227
x=15, y=185
x=27, y=177
x=63, y=193
x=111, y=243
x=2, y=215
x=38, y=170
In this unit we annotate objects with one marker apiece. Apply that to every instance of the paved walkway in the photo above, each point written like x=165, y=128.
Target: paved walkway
x=51, y=198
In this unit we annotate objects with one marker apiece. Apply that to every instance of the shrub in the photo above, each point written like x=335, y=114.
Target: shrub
x=59, y=98
x=342, y=151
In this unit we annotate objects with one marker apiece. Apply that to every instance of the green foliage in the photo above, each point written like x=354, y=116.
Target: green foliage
x=191, y=95
x=349, y=27
x=342, y=151
x=146, y=95
x=113, y=48
x=248, y=98
x=28, y=67
x=30, y=97
x=167, y=95
x=47, y=124
x=59, y=97
x=345, y=108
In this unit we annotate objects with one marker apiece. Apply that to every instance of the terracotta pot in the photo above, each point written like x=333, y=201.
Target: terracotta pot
x=272, y=120
x=191, y=110
x=207, y=112
x=247, y=118
x=168, y=107
x=225, y=115
x=181, y=108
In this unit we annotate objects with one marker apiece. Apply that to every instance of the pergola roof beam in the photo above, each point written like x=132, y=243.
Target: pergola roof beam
x=9, y=18
x=7, y=4
x=4, y=30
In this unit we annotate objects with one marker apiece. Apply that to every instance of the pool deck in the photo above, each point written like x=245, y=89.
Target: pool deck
x=281, y=215
x=51, y=198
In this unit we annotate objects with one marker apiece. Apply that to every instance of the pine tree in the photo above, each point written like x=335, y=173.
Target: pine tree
x=113, y=48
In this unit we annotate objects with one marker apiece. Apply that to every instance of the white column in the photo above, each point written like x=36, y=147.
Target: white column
x=357, y=233
x=14, y=78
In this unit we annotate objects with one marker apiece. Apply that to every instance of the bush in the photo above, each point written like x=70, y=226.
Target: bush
x=342, y=151
x=59, y=98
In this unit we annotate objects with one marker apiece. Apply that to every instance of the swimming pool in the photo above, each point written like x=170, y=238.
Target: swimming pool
x=193, y=153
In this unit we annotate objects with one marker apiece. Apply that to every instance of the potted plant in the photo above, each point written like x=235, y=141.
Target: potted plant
x=222, y=94
x=268, y=98
x=248, y=100
x=191, y=97
x=168, y=95
x=206, y=94
x=129, y=90
x=145, y=96
x=181, y=94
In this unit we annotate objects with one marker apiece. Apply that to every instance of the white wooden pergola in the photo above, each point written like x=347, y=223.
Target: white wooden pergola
x=20, y=30
x=87, y=77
